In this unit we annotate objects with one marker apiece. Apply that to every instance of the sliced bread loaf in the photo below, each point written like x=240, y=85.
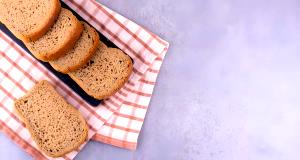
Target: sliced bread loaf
x=61, y=37
x=55, y=125
x=105, y=73
x=31, y=19
x=83, y=50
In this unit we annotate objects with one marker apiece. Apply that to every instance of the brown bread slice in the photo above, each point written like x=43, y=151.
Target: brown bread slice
x=105, y=73
x=55, y=125
x=61, y=37
x=83, y=50
x=31, y=19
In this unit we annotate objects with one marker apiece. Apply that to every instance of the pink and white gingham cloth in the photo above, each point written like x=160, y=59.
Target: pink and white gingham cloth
x=117, y=120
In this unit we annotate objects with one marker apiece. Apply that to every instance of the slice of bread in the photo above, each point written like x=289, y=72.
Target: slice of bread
x=61, y=37
x=55, y=125
x=31, y=19
x=81, y=53
x=105, y=73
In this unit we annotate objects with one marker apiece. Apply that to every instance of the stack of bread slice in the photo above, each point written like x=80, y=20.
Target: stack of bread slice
x=53, y=34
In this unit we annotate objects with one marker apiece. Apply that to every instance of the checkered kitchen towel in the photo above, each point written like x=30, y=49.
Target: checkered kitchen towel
x=117, y=120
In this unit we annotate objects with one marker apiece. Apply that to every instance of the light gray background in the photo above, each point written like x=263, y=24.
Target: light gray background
x=229, y=87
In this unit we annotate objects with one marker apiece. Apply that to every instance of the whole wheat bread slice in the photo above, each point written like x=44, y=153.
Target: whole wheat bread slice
x=105, y=73
x=31, y=19
x=61, y=37
x=83, y=50
x=55, y=125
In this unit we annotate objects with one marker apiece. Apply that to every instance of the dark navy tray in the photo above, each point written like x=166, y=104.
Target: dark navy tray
x=64, y=77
